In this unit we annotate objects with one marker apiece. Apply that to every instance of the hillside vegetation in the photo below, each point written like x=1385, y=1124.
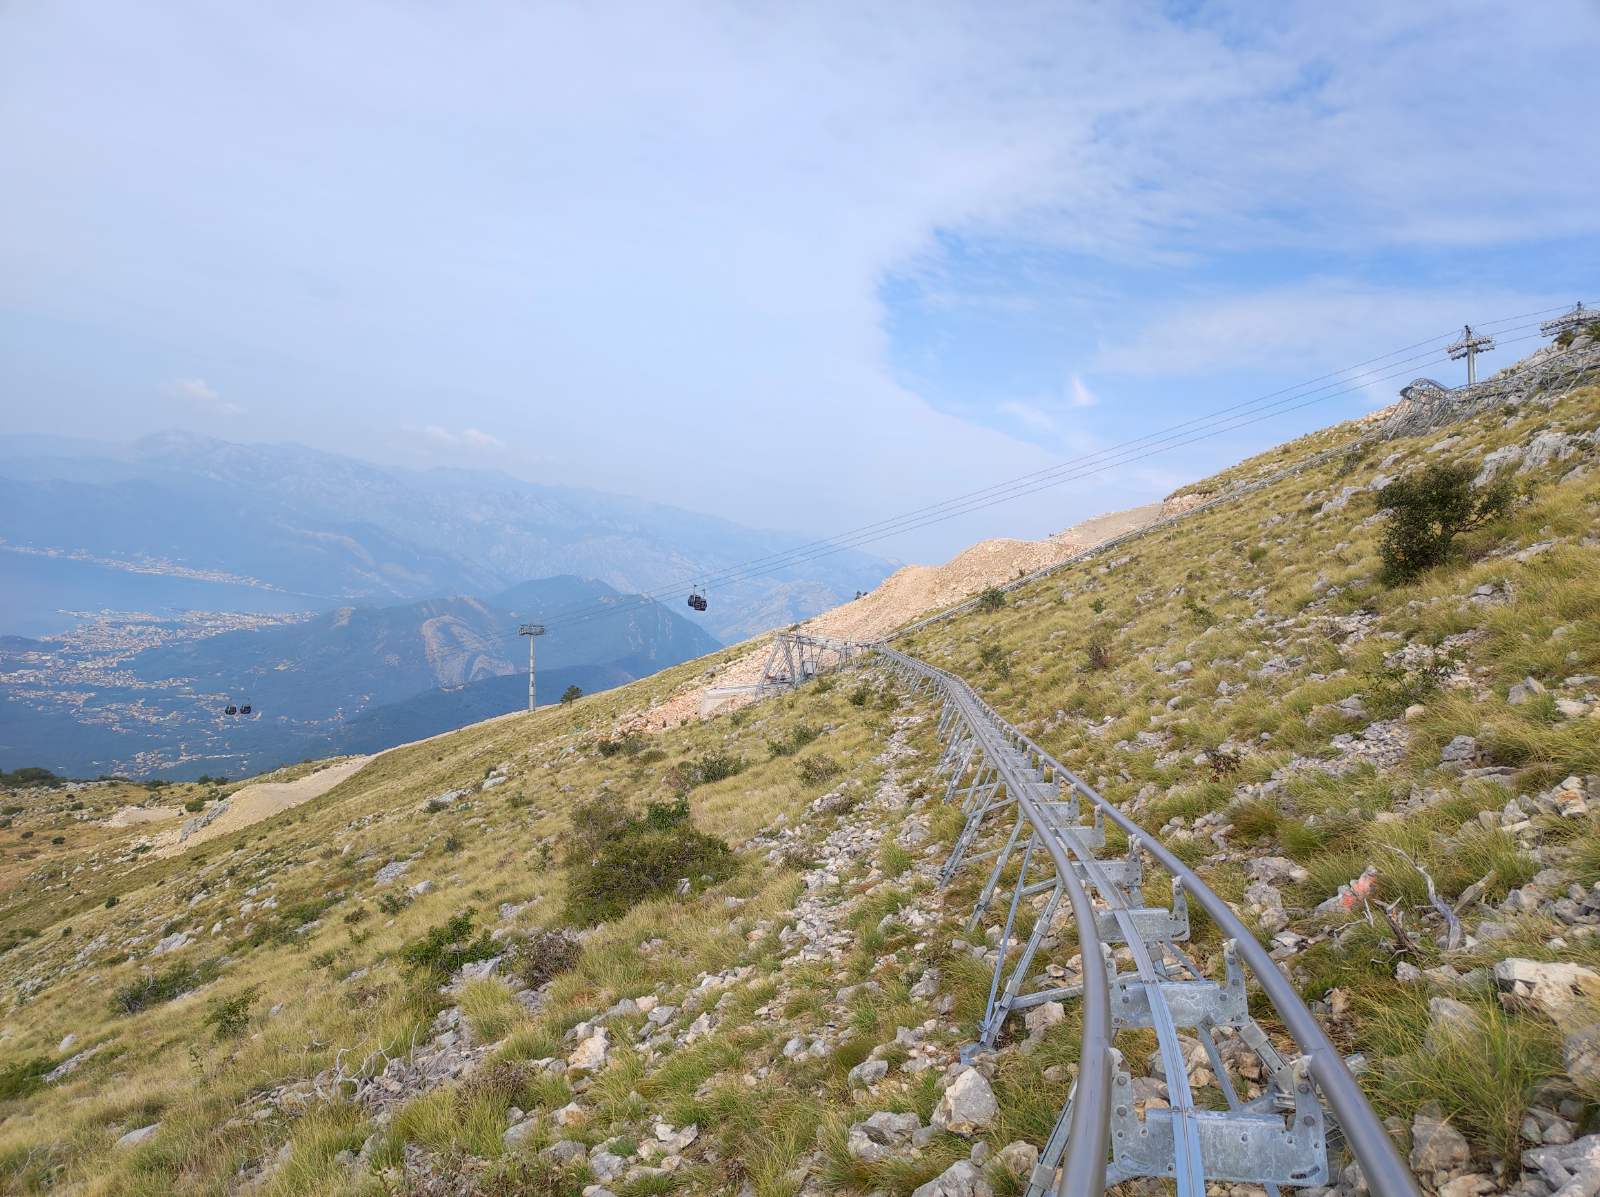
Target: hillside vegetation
x=401, y=986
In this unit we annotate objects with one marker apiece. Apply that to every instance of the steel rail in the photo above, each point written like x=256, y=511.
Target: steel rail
x=1014, y=756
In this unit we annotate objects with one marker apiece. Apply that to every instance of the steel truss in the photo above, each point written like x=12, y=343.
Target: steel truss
x=796, y=657
x=1036, y=808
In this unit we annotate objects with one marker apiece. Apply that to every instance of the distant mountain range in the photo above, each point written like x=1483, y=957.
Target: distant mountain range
x=180, y=521
x=354, y=679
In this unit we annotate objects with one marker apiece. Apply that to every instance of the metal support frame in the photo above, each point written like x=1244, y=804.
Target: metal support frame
x=1101, y=1137
x=532, y=631
x=797, y=657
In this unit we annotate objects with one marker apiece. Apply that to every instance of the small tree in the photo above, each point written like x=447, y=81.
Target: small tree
x=991, y=598
x=1428, y=509
x=571, y=694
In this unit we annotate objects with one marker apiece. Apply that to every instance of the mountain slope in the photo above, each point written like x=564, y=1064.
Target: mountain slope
x=419, y=668
x=1240, y=680
x=333, y=529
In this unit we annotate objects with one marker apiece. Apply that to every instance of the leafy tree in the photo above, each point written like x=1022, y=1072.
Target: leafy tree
x=1428, y=509
x=571, y=694
x=991, y=598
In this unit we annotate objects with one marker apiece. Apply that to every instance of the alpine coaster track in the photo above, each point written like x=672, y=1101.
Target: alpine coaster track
x=1100, y=1139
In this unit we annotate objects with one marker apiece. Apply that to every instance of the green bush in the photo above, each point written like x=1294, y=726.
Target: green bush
x=445, y=948
x=228, y=1016
x=1427, y=510
x=712, y=766
x=1394, y=688
x=817, y=768
x=23, y=1077
x=154, y=988
x=793, y=741
x=541, y=956
x=991, y=598
x=995, y=658
x=571, y=694
x=859, y=696
x=30, y=775
x=628, y=745
x=616, y=860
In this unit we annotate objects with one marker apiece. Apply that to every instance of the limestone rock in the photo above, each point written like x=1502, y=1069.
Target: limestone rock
x=1044, y=1016
x=1449, y=1019
x=1437, y=1148
x=868, y=1073
x=968, y=1105
x=517, y=1133
x=881, y=1136
x=961, y=1179
x=135, y=1137
x=590, y=1055
x=1018, y=1158
x=1553, y=988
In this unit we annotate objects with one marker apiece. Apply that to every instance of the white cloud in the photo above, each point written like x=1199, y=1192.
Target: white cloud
x=1323, y=331
x=1029, y=416
x=1080, y=395
x=201, y=394
x=652, y=238
x=466, y=438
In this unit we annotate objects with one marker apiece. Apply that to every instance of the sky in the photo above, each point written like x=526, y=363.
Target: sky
x=805, y=266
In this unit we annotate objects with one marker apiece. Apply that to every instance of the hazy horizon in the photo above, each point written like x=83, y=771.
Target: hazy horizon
x=803, y=269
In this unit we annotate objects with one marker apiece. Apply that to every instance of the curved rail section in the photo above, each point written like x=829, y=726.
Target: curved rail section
x=1277, y=1139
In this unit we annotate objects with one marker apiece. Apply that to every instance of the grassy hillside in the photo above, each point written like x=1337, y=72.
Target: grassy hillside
x=1241, y=680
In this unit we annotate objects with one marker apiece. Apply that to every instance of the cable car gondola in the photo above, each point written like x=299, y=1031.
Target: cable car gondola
x=245, y=709
x=230, y=709
x=697, y=601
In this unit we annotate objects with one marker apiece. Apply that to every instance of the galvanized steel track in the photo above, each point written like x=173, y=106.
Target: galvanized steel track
x=1101, y=1138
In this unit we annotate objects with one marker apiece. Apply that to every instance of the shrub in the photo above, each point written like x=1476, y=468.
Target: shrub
x=1097, y=655
x=815, y=769
x=792, y=742
x=154, y=988
x=991, y=598
x=1427, y=510
x=1201, y=615
x=571, y=694
x=530, y=1176
x=445, y=948
x=712, y=766
x=1394, y=688
x=628, y=745
x=859, y=696
x=30, y=775
x=622, y=860
x=111, y=901
x=23, y=1077
x=393, y=903
x=995, y=658
x=1097, y=605
x=543, y=955
x=228, y=1016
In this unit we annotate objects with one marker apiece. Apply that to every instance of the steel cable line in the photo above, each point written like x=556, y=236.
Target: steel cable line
x=798, y=551
x=1074, y=469
x=826, y=548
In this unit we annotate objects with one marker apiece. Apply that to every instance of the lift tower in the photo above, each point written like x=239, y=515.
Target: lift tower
x=532, y=631
x=1468, y=345
x=1576, y=320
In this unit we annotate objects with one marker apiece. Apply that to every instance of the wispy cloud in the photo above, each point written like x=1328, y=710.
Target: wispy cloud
x=1079, y=395
x=466, y=438
x=201, y=394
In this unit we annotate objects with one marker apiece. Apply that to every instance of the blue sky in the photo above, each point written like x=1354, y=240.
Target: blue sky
x=805, y=266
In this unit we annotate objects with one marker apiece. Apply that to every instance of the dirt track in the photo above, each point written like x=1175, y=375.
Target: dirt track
x=253, y=803
x=916, y=590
